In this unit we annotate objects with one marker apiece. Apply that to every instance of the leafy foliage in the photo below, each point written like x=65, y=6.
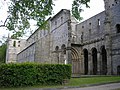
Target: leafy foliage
x=22, y=11
x=3, y=53
x=27, y=74
x=77, y=8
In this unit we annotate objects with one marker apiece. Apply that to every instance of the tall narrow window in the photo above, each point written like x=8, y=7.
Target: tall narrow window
x=57, y=53
x=118, y=28
x=89, y=32
x=14, y=44
x=55, y=22
x=61, y=19
x=82, y=37
x=99, y=22
x=82, y=26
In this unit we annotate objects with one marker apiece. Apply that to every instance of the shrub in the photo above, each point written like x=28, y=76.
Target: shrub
x=27, y=74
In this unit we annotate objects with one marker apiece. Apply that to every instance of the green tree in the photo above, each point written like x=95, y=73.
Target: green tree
x=22, y=11
x=77, y=8
x=3, y=53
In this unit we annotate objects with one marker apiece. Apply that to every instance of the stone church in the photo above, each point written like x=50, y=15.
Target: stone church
x=92, y=47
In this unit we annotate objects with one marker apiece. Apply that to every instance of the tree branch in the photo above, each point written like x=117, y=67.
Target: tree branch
x=4, y=23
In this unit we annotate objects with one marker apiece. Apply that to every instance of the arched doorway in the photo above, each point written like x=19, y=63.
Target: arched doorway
x=104, y=60
x=118, y=70
x=85, y=52
x=75, y=62
x=94, y=60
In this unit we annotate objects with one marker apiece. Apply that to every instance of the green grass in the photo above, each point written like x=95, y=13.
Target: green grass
x=84, y=81
x=92, y=80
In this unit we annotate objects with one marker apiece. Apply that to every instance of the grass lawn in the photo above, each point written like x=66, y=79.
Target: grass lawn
x=93, y=80
x=84, y=81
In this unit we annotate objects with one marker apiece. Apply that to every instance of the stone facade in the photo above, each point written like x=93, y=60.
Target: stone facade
x=14, y=46
x=92, y=46
x=50, y=45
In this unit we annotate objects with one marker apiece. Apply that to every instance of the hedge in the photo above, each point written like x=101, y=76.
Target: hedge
x=28, y=74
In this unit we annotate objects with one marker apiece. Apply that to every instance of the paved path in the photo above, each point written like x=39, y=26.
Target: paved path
x=100, y=87
x=112, y=86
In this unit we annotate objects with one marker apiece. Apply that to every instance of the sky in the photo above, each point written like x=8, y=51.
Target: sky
x=96, y=6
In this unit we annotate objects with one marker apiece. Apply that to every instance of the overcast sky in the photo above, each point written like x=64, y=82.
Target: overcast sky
x=96, y=6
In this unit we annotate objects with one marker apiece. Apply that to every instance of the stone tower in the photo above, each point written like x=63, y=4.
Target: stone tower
x=14, y=46
x=108, y=26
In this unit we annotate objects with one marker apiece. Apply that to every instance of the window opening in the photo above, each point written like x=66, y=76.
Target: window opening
x=118, y=28
x=14, y=44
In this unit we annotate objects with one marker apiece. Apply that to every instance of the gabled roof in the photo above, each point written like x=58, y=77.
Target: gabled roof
x=59, y=13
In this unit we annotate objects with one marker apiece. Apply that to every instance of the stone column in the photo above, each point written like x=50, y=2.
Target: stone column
x=108, y=45
x=98, y=63
x=82, y=69
x=68, y=55
x=90, y=64
x=68, y=48
x=107, y=37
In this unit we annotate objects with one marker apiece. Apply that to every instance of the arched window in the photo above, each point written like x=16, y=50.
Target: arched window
x=104, y=60
x=63, y=48
x=85, y=51
x=94, y=59
x=57, y=48
x=118, y=28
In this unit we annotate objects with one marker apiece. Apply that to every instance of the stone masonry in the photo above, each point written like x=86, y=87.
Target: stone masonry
x=92, y=47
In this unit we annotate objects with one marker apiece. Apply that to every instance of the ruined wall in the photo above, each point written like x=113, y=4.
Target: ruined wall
x=14, y=46
x=115, y=38
x=101, y=33
x=27, y=55
x=42, y=49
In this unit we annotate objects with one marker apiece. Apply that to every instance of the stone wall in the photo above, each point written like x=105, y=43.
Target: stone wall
x=27, y=55
x=92, y=46
x=14, y=46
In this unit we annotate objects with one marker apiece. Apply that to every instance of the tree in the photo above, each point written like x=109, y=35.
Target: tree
x=3, y=53
x=77, y=8
x=22, y=11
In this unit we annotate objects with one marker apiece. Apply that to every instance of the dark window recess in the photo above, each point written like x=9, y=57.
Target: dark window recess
x=61, y=19
x=99, y=22
x=82, y=37
x=57, y=48
x=14, y=44
x=89, y=31
x=112, y=4
x=115, y=1
x=89, y=23
x=82, y=26
x=118, y=28
x=55, y=22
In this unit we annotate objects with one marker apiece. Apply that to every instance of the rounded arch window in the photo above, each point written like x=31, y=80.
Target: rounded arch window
x=57, y=48
x=63, y=48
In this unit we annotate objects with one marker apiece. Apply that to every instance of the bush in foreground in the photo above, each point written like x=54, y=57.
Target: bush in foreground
x=28, y=74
